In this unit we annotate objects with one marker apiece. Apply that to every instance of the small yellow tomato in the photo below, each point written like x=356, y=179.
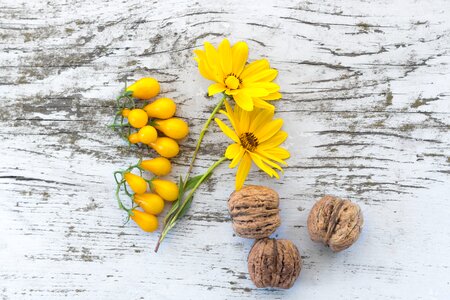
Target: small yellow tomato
x=144, y=88
x=136, y=183
x=165, y=188
x=147, y=222
x=134, y=138
x=174, y=128
x=160, y=166
x=147, y=134
x=165, y=147
x=163, y=108
x=137, y=118
x=125, y=112
x=150, y=203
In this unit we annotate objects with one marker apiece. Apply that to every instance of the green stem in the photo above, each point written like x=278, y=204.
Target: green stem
x=121, y=206
x=175, y=218
x=118, y=125
x=202, y=134
x=122, y=181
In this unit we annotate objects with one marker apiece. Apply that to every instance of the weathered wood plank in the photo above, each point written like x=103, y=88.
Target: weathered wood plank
x=366, y=104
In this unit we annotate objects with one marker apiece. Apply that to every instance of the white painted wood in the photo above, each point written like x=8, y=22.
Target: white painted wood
x=366, y=86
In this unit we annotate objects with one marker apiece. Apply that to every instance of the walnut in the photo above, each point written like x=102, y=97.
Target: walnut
x=254, y=211
x=335, y=222
x=274, y=263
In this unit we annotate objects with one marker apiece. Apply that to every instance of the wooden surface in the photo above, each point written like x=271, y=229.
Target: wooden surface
x=366, y=104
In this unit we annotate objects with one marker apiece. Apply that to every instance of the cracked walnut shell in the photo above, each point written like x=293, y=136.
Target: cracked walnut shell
x=254, y=211
x=335, y=222
x=274, y=263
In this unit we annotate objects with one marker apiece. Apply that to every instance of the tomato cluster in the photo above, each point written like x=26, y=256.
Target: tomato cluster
x=150, y=125
x=154, y=117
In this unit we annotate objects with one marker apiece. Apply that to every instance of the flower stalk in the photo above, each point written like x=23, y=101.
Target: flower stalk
x=201, y=136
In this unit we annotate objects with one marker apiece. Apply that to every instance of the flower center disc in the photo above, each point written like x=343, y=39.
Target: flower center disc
x=249, y=141
x=232, y=82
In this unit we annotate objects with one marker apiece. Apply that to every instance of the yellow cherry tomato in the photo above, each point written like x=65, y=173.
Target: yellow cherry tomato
x=160, y=166
x=150, y=203
x=125, y=112
x=165, y=188
x=147, y=134
x=144, y=88
x=134, y=138
x=174, y=128
x=163, y=108
x=137, y=118
x=136, y=183
x=147, y=222
x=165, y=147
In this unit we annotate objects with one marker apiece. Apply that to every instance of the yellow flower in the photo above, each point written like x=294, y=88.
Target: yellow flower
x=250, y=85
x=257, y=138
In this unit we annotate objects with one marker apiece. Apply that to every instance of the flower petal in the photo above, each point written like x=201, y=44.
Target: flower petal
x=269, y=156
x=265, y=75
x=237, y=158
x=216, y=88
x=232, y=117
x=244, y=101
x=255, y=67
x=260, y=164
x=231, y=92
x=279, y=152
x=274, y=141
x=242, y=172
x=240, y=54
x=232, y=151
x=271, y=87
x=244, y=119
x=225, y=57
x=265, y=158
x=227, y=130
x=263, y=104
x=205, y=71
x=263, y=116
x=271, y=163
x=201, y=55
x=255, y=92
x=211, y=54
x=212, y=61
x=263, y=133
x=273, y=96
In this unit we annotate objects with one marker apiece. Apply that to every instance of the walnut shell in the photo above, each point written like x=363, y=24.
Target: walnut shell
x=274, y=263
x=335, y=222
x=254, y=211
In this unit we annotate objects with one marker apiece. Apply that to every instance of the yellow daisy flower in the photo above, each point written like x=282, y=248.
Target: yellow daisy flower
x=250, y=85
x=257, y=138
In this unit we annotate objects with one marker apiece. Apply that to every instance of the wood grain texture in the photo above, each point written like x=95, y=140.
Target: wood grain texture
x=366, y=104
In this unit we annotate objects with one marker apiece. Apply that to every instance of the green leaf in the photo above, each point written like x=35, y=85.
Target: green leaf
x=196, y=180
x=192, y=182
x=185, y=208
x=180, y=188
